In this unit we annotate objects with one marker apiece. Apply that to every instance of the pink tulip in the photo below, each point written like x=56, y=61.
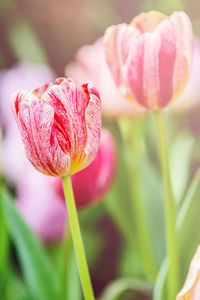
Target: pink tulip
x=191, y=288
x=92, y=183
x=90, y=64
x=150, y=58
x=41, y=206
x=60, y=125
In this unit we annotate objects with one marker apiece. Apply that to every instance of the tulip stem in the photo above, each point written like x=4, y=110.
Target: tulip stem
x=170, y=207
x=131, y=138
x=65, y=256
x=77, y=239
x=142, y=234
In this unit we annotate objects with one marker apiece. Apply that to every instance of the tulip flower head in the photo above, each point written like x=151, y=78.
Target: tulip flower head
x=191, y=288
x=60, y=125
x=150, y=58
x=92, y=183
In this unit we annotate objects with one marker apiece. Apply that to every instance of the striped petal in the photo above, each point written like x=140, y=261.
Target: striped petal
x=69, y=103
x=184, y=43
x=117, y=40
x=149, y=70
x=93, y=123
x=36, y=124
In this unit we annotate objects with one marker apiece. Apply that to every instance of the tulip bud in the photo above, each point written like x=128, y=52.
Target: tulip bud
x=92, y=183
x=150, y=58
x=60, y=125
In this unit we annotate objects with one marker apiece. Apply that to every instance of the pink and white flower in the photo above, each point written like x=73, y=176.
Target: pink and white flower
x=150, y=58
x=59, y=125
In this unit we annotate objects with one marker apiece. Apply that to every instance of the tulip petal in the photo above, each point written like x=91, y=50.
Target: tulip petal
x=147, y=22
x=17, y=98
x=191, y=286
x=117, y=40
x=93, y=122
x=69, y=103
x=167, y=62
x=149, y=69
x=184, y=41
x=36, y=124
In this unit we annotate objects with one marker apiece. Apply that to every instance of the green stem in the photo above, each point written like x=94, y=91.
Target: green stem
x=66, y=247
x=170, y=208
x=77, y=239
x=142, y=234
x=120, y=217
x=185, y=210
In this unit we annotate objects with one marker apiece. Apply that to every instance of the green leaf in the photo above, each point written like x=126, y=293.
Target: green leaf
x=118, y=287
x=160, y=284
x=188, y=224
x=181, y=155
x=154, y=206
x=73, y=290
x=16, y=289
x=130, y=264
x=187, y=221
x=25, y=43
x=39, y=275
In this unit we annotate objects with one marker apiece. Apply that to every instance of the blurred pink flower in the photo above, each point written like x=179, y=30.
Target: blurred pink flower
x=23, y=75
x=41, y=206
x=150, y=58
x=60, y=125
x=90, y=64
x=92, y=183
x=191, y=288
x=190, y=98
